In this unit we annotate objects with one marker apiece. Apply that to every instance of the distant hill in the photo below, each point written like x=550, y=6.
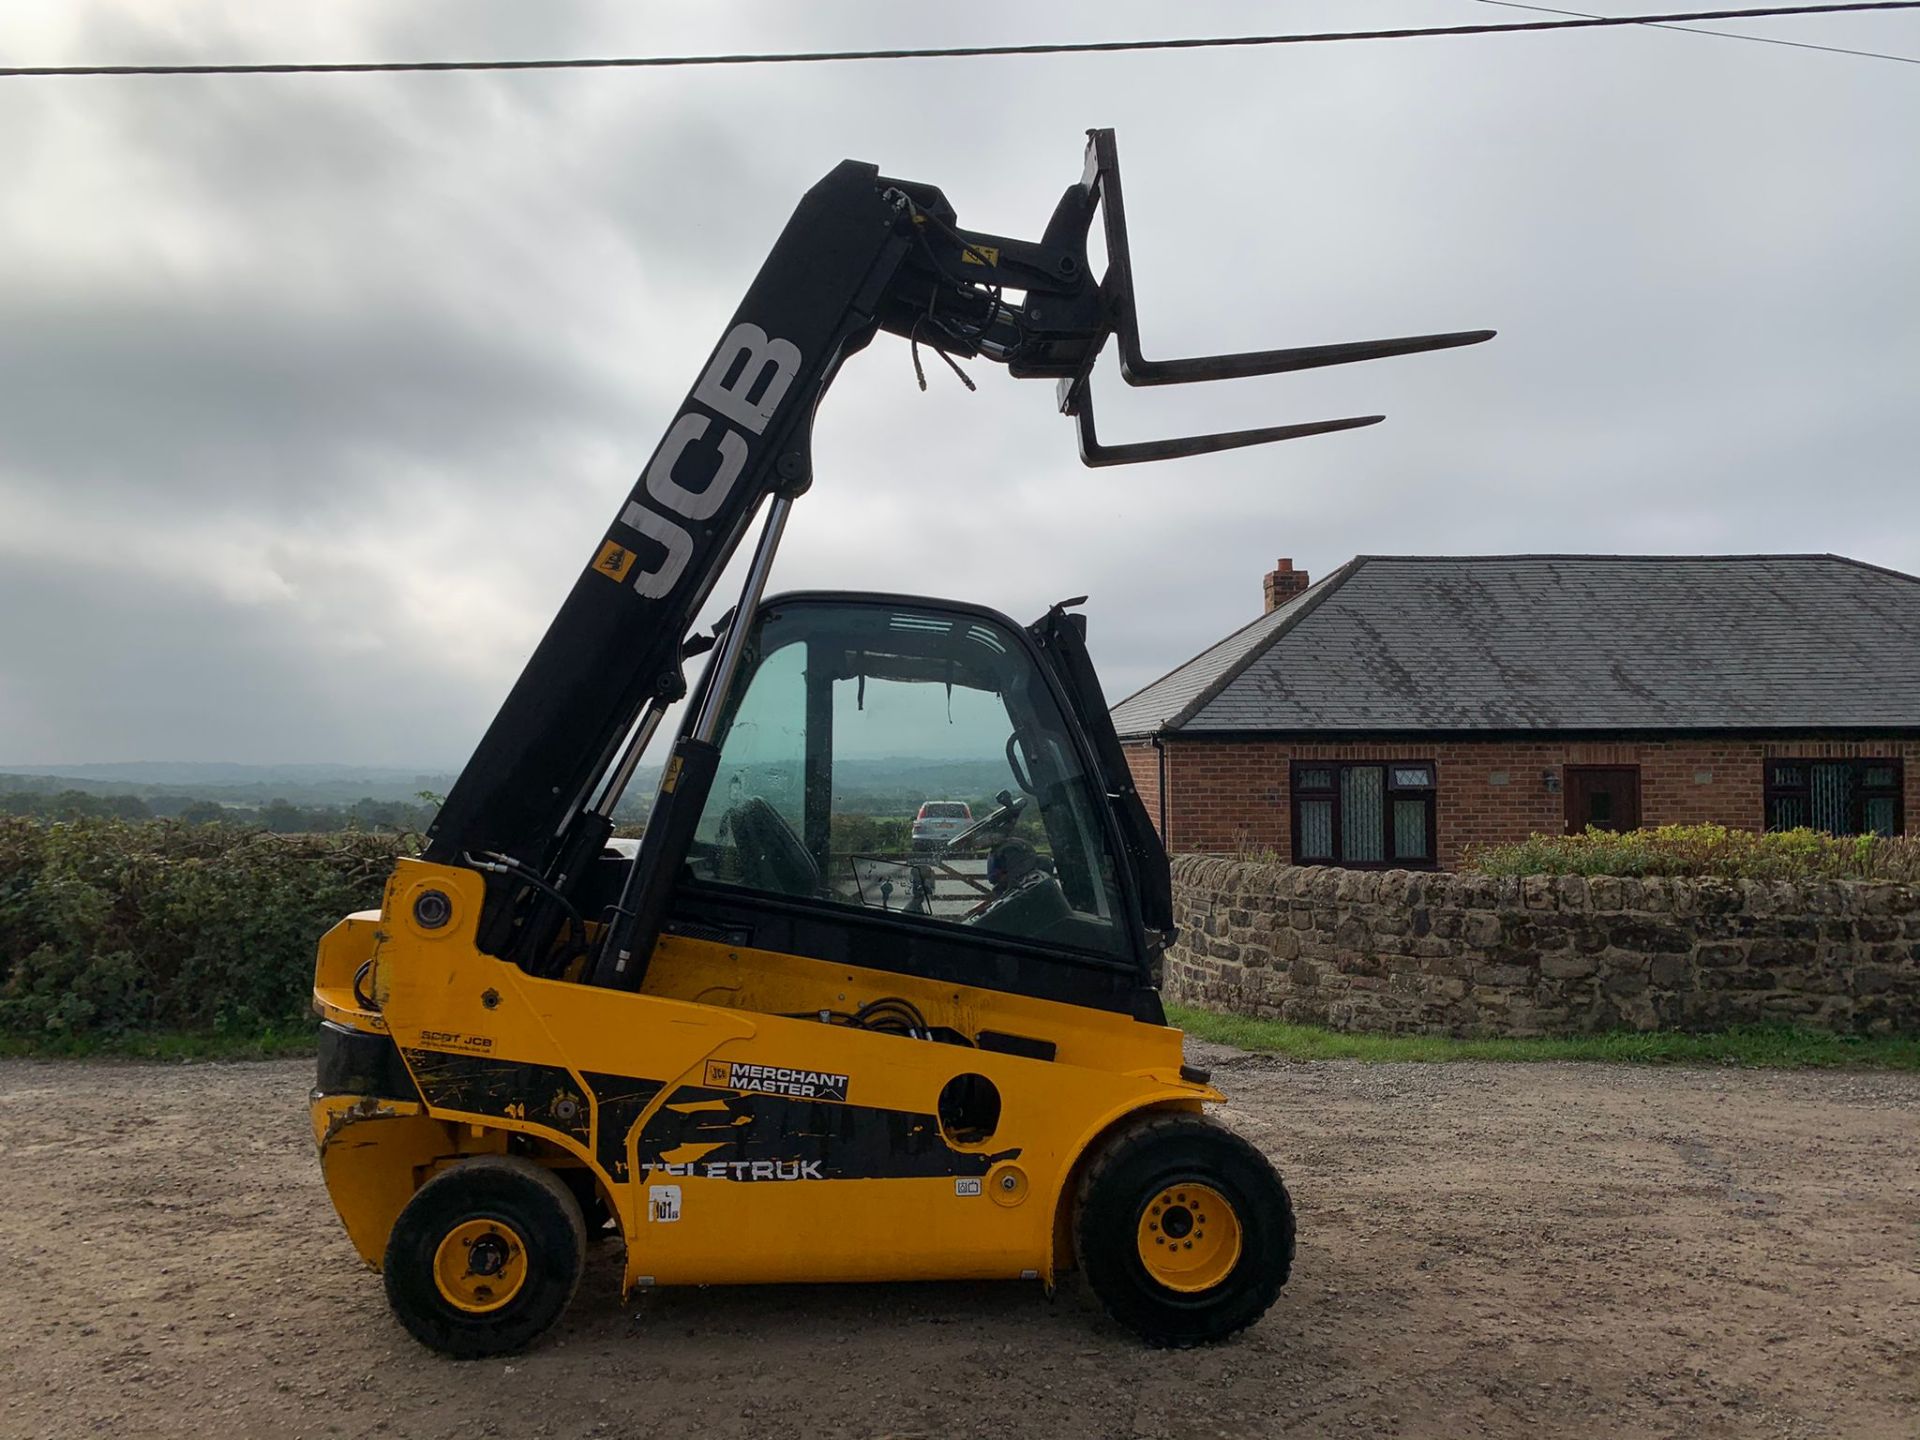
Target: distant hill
x=230, y=782
x=882, y=786
x=893, y=786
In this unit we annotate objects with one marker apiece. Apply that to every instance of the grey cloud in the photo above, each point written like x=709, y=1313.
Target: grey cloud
x=393, y=348
x=98, y=664
x=236, y=399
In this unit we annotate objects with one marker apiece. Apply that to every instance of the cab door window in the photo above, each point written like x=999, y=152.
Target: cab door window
x=911, y=762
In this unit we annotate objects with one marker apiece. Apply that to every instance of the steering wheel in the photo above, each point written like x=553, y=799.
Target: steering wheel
x=1004, y=816
x=771, y=855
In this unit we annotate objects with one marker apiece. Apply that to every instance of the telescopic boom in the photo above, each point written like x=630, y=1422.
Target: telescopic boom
x=862, y=253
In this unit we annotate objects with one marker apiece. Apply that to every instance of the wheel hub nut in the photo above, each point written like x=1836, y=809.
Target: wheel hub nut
x=486, y=1256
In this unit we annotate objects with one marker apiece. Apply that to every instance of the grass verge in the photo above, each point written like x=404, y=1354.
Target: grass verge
x=269, y=1043
x=1767, y=1047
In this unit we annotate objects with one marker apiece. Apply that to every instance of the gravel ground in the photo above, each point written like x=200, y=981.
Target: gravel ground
x=1485, y=1250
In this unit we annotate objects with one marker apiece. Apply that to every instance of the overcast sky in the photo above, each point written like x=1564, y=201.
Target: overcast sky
x=316, y=392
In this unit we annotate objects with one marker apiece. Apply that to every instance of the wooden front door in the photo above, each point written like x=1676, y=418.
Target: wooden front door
x=1604, y=796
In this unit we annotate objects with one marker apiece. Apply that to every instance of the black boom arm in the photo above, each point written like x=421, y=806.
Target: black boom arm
x=861, y=253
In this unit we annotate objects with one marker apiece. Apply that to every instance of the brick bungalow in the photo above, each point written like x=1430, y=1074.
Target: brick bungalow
x=1408, y=706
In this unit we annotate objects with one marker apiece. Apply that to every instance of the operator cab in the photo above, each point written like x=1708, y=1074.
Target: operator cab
x=845, y=711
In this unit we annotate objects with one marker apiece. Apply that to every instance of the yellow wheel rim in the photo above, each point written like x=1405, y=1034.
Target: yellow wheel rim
x=480, y=1266
x=1189, y=1238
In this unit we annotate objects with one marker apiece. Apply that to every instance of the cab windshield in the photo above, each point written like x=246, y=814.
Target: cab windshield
x=846, y=715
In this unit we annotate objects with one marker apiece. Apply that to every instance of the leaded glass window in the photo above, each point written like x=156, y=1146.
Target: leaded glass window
x=1838, y=797
x=1367, y=814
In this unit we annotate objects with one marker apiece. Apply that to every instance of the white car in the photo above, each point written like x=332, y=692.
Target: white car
x=939, y=821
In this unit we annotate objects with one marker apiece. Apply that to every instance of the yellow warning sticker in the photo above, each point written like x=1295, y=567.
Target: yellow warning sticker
x=980, y=254
x=614, y=560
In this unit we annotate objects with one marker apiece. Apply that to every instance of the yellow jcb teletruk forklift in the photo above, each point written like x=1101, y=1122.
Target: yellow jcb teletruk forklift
x=776, y=1044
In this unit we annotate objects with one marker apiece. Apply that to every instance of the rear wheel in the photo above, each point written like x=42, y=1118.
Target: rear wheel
x=1183, y=1229
x=485, y=1257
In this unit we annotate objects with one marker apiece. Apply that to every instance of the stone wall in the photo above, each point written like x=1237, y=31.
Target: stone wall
x=1453, y=954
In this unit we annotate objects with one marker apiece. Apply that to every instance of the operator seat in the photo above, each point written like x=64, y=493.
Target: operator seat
x=1032, y=909
x=771, y=856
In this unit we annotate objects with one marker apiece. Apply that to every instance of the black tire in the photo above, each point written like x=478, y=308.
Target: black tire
x=1125, y=1191
x=526, y=1216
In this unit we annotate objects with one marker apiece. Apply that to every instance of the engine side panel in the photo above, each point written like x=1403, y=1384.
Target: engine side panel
x=744, y=1140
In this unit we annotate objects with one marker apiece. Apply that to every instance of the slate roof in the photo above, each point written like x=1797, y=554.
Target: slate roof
x=1561, y=642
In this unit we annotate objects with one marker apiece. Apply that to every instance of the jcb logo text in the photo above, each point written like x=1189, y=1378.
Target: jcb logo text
x=744, y=384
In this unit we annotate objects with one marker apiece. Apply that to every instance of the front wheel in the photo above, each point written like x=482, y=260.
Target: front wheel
x=485, y=1257
x=1184, y=1230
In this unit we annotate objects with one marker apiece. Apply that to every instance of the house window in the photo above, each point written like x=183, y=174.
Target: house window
x=1841, y=797
x=1367, y=815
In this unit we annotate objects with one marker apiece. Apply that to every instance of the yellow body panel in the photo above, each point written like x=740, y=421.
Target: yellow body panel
x=374, y=1154
x=828, y=1162
x=342, y=951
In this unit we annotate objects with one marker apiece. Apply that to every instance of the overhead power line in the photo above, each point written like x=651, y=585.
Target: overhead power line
x=1722, y=34
x=956, y=52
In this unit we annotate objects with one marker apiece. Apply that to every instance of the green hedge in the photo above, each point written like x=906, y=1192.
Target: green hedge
x=1706, y=850
x=111, y=927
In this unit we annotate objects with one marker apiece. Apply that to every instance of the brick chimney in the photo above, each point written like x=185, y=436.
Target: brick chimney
x=1283, y=583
